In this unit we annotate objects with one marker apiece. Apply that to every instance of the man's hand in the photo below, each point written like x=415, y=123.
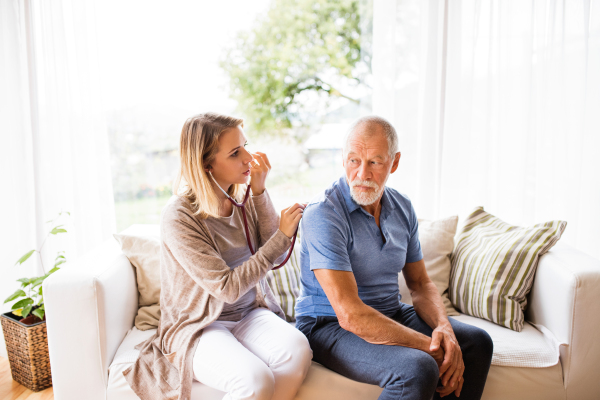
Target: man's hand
x=446, y=390
x=437, y=353
x=452, y=367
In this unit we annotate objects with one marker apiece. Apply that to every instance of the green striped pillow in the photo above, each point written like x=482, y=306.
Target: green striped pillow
x=493, y=266
x=285, y=283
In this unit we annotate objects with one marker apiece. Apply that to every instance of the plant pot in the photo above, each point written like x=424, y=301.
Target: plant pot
x=27, y=348
x=30, y=320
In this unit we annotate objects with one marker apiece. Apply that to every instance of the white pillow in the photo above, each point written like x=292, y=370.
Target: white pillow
x=141, y=245
x=437, y=243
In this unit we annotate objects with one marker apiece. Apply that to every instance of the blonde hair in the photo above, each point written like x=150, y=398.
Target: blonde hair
x=197, y=148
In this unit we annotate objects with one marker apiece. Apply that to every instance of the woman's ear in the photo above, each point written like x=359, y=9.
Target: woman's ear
x=208, y=168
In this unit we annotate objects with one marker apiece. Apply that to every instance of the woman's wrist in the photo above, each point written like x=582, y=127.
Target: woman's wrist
x=258, y=191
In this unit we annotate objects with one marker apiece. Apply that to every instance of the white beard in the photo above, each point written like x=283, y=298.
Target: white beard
x=365, y=198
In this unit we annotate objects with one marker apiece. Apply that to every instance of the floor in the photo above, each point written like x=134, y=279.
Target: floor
x=11, y=390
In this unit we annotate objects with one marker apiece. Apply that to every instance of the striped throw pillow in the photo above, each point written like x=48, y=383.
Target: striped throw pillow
x=285, y=283
x=493, y=266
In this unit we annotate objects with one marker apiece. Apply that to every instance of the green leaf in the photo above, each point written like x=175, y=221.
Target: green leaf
x=59, y=256
x=39, y=312
x=53, y=270
x=26, y=311
x=22, y=303
x=40, y=291
x=57, y=230
x=24, y=282
x=38, y=281
x=15, y=295
x=59, y=263
x=25, y=257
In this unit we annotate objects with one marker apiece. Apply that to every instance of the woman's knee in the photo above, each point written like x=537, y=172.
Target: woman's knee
x=258, y=383
x=296, y=358
x=302, y=351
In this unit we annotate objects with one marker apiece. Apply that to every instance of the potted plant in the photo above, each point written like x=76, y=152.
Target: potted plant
x=25, y=326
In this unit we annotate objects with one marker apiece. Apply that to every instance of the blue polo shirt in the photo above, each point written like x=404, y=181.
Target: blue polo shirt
x=338, y=234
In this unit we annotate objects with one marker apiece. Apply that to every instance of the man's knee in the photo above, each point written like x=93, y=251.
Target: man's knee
x=481, y=344
x=420, y=375
x=426, y=372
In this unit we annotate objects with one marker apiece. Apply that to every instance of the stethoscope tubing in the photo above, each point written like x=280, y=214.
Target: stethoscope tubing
x=242, y=205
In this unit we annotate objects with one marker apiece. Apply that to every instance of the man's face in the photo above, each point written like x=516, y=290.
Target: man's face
x=368, y=163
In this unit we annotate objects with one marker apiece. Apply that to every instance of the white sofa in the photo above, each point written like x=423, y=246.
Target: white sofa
x=92, y=302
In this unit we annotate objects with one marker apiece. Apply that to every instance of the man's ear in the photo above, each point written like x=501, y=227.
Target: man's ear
x=396, y=162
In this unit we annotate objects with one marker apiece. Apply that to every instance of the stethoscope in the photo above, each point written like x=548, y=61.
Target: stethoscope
x=242, y=206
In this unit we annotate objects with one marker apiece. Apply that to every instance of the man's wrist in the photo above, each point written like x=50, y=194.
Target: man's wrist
x=444, y=324
x=424, y=344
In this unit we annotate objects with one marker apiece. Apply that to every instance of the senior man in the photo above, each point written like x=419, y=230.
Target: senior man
x=357, y=236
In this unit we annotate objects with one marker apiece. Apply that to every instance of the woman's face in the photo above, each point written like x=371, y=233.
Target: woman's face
x=231, y=164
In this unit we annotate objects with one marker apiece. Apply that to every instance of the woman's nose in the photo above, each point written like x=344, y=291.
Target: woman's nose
x=247, y=157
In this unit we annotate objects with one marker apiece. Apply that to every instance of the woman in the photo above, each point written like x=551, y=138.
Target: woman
x=220, y=323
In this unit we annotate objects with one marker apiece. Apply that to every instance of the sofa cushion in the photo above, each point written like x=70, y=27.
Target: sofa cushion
x=437, y=243
x=494, y=264
x=320, y=383
x=141, y=244
x=532, y=353
x=533, y=347
x=285, y=282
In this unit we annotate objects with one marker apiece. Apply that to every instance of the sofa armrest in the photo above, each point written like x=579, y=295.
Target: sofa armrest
x=90, y=305
x=564, y=297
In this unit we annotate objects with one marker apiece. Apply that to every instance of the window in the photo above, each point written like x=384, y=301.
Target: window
x=297, y=85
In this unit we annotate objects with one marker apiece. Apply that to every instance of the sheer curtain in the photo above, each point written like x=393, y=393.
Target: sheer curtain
x=497, y=103
x=52, y=135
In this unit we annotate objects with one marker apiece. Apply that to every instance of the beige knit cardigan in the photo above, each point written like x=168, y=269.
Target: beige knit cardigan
x=195, y=283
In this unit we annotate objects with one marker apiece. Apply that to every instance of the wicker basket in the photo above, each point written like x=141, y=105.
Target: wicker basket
x=27, y=347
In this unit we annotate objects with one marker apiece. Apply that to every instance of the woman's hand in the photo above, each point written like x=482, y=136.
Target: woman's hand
x=290, y=217
x=259, y=169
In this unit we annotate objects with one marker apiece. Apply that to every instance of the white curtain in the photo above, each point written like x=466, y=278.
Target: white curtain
x=52, y=136
x=497, y=104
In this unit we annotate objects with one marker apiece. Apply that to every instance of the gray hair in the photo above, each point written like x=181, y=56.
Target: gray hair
x=388, y=130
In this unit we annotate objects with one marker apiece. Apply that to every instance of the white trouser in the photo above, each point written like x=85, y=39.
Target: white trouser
x=261, y=357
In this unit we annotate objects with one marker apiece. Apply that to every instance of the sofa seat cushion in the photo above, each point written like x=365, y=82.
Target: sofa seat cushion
x=320, y=383
x=533, y=347
x=530, y=348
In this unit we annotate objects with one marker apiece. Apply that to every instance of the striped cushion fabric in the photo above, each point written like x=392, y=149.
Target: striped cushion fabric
x=493, y=266
x=285, y=283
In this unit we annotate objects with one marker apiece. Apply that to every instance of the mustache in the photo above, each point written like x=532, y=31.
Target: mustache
x=359, y=182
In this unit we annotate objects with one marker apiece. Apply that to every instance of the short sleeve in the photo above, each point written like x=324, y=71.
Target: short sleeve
x=325, y=237
x=413, y=250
